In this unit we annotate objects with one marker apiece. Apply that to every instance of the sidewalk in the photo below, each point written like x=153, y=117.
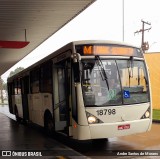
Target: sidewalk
x=18, y=139
x=5, y=110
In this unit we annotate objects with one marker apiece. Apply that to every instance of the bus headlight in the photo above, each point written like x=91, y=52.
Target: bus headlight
x=147, y=114
x=91, y=120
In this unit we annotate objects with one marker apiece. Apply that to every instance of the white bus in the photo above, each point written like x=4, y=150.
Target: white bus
x=86, y=90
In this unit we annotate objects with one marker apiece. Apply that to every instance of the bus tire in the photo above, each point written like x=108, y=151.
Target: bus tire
x=100, y=141
x=48, y=124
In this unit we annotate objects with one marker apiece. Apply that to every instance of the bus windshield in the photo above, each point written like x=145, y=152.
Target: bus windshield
x=114, y=82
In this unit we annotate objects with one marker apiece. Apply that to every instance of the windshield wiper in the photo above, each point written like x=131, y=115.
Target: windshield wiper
x=130, y=72
x=102, y=70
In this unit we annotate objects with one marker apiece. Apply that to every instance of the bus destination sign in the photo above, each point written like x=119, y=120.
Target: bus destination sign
x=110, y=50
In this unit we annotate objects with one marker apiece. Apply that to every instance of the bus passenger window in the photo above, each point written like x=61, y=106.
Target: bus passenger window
x=46, y=77
x=35, y=74
x=17, y=87
x=61, y=83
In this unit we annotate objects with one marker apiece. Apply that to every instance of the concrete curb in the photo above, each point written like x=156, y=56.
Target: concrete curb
x=155, y=121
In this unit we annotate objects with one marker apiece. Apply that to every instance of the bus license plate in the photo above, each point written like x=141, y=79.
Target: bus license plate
x=122, y=127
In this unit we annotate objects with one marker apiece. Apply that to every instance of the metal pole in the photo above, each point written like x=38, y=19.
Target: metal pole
x=123, y=19
x=25, y=31
x=142, y=35
x=144, y=45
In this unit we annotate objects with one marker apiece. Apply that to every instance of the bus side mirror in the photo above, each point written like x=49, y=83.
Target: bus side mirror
x=76, y=71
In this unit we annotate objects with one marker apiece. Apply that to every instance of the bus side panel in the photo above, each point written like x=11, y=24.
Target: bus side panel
x=47, y=102
x=18, y=104
x=25, y=106
x=10, y=104
x=35, y=108
x=30, y=106
x=82, y=120
x=13, y=103
x=38, y=103
x=11, y=110
x=80, y=132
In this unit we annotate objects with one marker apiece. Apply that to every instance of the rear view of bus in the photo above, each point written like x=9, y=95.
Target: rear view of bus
x=112, y=89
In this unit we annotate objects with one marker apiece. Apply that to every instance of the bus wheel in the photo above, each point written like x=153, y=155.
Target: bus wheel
x=100, y=141
x=49, y=125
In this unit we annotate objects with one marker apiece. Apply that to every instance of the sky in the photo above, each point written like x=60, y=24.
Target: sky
x=104, y=20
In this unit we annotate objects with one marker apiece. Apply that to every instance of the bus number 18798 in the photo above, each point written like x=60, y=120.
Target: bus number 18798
x=106, y=112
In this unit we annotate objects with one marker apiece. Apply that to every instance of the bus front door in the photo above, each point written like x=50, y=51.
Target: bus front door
x=61, y=76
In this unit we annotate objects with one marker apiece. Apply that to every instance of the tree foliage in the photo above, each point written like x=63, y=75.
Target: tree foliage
x=19, y=69
x=1, y=89
x=3, y=85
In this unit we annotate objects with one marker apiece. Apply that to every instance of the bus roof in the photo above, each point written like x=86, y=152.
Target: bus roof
x=103, y=42
x=68, y=47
